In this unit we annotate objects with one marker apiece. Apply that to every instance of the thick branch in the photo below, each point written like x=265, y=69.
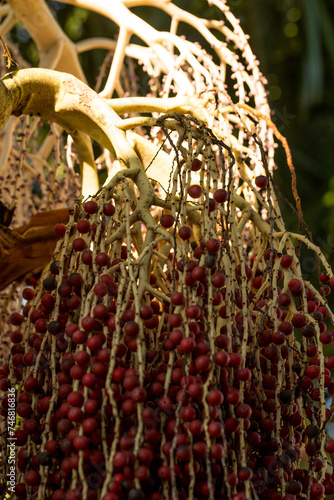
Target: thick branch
x=65, y=100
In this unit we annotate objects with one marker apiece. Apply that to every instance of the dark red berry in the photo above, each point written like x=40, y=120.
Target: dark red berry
x=79, y=244
x=60, y=230
x=167, y=220
x=195, y=191
x=109, y=210
x=185, y=233
x=261, y=181
x=220, y=195
x=196, y=165
x=90, y=207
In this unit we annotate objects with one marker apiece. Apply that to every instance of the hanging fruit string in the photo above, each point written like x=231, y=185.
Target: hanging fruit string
x=171, y=357
x=285, y=145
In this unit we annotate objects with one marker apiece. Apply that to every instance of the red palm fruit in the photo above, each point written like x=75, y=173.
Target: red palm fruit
x=193, y=312
x=79, y=244
x=100, y=311
x=32, y=478
x=195, y=191
x=131, y=328
x=15, y=319
x=243, y=411
x=88, y=380
x=88, y=323
x=220, y=195
x=87, y=257
x=196, y=427
x=187, y=413
x=244, y=374
x=326, y=337
x=90, y=207
x=261, y=181
x=185, y=233
x=176, y=336
x=75, y=414
x=196, y=165
x=102, y=259
x=215, y=397
x=81, y=442
x=215, y=429
x=235, y=360
x=284, y=300
x=142, y=473
x=28, y=294
x=30, y=426
x=164, y=473
x=222, y=358
x=177, y=298
x=24, y=410
x=213, y=245
x=83, y=226
x=295, y=286
x=146, y=312
x=109, y=210
x=317, y=490
x=187, y=344
x=60, y=230
x=167, y=221
x=195, y=390
x=145, y=455
x=233, y=397
x=101, y=289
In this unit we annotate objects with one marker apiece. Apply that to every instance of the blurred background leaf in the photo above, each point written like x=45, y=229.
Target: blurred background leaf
x=294, y=42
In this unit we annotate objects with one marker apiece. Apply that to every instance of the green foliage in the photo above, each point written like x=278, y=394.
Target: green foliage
x=75, y=23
